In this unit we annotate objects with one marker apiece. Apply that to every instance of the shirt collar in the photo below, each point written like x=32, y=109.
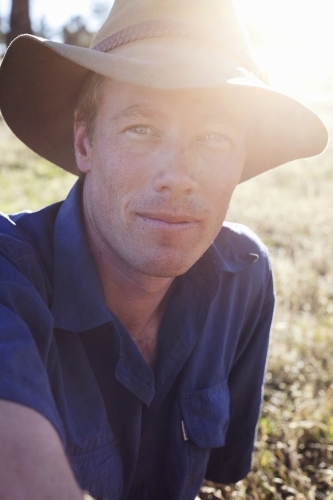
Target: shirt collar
x=232, y=251
x=78, y=298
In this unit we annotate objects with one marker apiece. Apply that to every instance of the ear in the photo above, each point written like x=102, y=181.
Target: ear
x=82, y=146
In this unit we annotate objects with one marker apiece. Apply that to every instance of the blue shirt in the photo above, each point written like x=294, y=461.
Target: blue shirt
x=131, y=432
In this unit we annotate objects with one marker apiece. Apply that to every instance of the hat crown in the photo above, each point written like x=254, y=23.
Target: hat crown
x=161, y=44
x=206, y=17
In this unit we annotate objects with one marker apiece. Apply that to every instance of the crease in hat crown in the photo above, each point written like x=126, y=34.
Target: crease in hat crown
x=173, y=28
x=210, y=15
x=212, y=21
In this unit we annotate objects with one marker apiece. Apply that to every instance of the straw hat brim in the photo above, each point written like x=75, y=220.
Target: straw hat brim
x=40, y=81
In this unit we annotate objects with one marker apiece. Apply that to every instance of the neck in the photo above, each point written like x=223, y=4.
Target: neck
x=139, y=301
x=133, y=297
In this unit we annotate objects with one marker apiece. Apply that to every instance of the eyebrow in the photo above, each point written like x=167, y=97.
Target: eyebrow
x=227, y=115
x=136, y=111
x=220, y=118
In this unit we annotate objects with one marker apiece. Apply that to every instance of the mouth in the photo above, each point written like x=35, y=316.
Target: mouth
x=168, y=219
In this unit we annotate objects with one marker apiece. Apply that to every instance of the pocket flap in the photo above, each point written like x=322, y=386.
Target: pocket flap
x=206, y=415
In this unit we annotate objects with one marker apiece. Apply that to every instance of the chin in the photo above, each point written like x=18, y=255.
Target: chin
x=168, y=267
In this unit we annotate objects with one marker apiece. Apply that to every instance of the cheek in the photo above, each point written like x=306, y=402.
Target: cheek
x=221, y=178
x=219, y=187
x=119, y=178
x=119, y=165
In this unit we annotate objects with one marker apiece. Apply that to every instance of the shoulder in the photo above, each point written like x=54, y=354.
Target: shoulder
x=245, y=275
x=26, y=248
x=27, y=233
x=238, y=247
x=241, y=238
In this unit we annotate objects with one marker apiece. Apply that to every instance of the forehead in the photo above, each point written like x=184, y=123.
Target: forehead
x=211, y=104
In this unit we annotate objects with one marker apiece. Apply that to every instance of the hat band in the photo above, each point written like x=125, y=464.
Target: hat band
x=166, y=28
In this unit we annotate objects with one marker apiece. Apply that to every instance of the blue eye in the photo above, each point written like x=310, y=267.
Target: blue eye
x=140, y=130
x=215, y=141
x=215, y=137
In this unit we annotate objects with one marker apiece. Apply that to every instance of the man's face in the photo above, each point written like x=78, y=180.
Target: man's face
x=161, y=168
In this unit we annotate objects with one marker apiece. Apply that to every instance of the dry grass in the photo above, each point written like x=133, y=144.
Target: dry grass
x=27, y=182
x=291, y=209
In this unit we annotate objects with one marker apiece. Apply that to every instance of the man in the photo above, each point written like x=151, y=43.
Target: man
x=134, y=330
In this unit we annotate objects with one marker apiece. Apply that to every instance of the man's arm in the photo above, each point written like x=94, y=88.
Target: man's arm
x=232, y=462
x=33, y=464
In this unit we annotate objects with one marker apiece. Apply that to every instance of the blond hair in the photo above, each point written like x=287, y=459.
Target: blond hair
x=90, y=96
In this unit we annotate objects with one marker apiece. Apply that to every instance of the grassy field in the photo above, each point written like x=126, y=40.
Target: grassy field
x=291, y=209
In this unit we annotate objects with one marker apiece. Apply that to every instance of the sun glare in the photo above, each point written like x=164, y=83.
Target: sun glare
x=292, y=39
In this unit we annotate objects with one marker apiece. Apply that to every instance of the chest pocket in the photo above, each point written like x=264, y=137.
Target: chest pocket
x=206, y=415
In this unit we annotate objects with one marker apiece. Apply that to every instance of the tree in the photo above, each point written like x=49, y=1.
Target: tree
x=75, y=32
x=19, y=20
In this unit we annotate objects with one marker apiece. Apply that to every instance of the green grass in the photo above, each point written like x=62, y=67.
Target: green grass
x=291, y=209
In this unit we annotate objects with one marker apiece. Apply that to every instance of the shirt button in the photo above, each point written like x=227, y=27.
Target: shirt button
x=141, y=493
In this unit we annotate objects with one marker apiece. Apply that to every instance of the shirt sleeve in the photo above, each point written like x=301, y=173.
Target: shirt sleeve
x=25, y=337
x=232, y=462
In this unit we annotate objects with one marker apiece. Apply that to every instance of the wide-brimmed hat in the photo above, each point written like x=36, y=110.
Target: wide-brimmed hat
x=165, y=44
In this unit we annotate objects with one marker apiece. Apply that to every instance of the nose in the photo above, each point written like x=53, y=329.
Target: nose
x=176, y=169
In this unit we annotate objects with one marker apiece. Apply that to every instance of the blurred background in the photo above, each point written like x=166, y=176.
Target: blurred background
x=71, y=22
x=290, y=208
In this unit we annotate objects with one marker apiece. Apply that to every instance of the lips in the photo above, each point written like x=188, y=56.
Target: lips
x=169, y=218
